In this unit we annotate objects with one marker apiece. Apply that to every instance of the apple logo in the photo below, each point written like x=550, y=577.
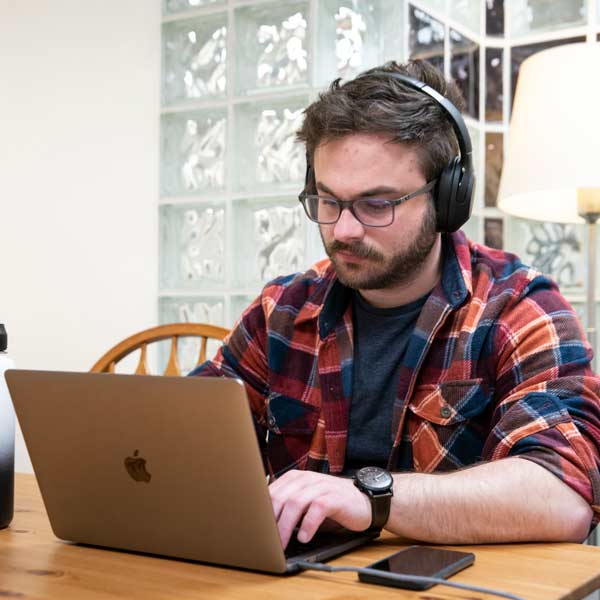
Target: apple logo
x=136, y=467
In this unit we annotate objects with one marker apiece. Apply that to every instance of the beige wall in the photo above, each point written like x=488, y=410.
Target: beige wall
x=79, y=118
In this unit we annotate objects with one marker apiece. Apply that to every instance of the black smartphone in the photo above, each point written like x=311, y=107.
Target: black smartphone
x=419, y=560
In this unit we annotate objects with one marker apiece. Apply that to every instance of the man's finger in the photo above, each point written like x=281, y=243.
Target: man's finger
x=289, y=517
x=287, y=486
x=318, y=511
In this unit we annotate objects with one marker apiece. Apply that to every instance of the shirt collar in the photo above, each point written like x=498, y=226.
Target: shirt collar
x=457, y=278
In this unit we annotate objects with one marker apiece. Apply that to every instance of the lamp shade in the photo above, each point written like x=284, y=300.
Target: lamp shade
x=553, y=149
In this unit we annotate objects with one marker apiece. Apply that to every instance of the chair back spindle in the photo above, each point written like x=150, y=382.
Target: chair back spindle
x=173, y=331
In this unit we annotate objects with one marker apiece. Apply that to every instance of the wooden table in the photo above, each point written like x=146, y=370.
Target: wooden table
x=35, y=564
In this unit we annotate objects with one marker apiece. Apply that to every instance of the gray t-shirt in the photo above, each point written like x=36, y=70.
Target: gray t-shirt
x=381, y=337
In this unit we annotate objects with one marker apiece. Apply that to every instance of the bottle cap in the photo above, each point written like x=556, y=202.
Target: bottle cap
x=3, y=338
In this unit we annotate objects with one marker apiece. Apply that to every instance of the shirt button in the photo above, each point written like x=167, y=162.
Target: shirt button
x=446, y=412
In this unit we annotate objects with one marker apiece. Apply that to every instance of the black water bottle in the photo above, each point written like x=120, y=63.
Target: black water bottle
x=7, y=438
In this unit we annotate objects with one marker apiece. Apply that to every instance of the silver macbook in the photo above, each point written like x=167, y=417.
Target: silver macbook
x=161, y=465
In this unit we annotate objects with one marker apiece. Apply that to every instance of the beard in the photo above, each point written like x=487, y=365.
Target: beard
x=383, y=271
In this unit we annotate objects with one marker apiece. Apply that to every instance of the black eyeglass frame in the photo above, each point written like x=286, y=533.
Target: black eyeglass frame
x=349, y=204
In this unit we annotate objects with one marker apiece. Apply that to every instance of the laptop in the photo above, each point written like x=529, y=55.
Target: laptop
x=161, y=465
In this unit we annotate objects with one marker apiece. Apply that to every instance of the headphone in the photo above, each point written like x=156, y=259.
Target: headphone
x=453, y=193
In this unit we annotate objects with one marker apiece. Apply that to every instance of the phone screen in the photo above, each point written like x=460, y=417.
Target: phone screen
x=419, y=560
x=422, y=561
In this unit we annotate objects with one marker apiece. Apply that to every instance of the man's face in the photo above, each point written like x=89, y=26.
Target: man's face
x=369, y=258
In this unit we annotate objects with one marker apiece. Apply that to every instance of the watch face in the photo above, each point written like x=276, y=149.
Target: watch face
x=374, y=478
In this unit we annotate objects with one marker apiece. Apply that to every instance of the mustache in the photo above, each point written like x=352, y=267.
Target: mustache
x=357, y=248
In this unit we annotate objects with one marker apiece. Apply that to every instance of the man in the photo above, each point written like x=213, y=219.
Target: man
x=411, y=350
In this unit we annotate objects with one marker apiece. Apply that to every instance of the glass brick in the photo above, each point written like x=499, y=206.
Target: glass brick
x=194, y=59
x=464, y=69
x=192, y=309
x=519, y=53
x=269, y=240
x=267, y=154
x=314, y=244
x=189, y=310
x=581, y=310
x=352, y=37
x=177, y=6
x=426, y=38
x=275, y=54
x=494, y=17
x=393, y=31
x=193, y=152
x=467, y=13
x=555, y=249
x=493, y=232
x=528, y=16
x=493, y=166
x=438, y=6
x=494, y=90
x=192, y=246
x=238, y=304
x=348, y=38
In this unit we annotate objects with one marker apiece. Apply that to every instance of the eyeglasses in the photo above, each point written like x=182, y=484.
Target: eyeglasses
x=372, y=212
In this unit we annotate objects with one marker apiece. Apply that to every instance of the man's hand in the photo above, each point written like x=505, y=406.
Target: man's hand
x=306, y=499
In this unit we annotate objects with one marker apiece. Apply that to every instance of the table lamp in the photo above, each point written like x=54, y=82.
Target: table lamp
x=551, y=168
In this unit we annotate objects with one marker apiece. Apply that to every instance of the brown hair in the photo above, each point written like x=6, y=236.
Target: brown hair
x=375, y=103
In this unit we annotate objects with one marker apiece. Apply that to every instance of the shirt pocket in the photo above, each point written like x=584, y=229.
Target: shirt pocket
x=449, y=424
x=291, y=424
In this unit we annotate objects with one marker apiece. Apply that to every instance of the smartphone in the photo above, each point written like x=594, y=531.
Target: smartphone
x=419, y=560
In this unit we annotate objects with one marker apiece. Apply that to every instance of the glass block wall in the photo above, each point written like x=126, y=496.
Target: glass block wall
x=235, y=78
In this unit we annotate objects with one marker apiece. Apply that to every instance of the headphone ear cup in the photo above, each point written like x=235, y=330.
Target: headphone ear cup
x=446, y=190
x=464, y=199
x=454, y=196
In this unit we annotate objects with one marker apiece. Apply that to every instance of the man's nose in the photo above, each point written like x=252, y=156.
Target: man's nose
x=348, y=227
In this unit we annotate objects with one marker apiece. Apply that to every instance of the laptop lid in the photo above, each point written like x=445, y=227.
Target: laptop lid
x=163, y=465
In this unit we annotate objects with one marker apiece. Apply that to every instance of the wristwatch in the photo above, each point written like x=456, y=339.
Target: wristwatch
x=377, y=484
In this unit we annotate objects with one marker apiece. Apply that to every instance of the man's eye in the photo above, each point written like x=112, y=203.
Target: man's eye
x=327, y=201
x=375, y=204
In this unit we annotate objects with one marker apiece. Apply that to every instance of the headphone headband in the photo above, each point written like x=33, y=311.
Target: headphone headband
x=453, y=114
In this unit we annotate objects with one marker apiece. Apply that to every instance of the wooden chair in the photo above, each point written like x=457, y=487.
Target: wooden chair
x=172, y=331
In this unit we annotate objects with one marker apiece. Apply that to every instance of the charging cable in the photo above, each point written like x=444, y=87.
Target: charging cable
x=306, y=565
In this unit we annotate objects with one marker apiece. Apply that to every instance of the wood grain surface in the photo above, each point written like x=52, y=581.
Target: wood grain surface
x=35, y=564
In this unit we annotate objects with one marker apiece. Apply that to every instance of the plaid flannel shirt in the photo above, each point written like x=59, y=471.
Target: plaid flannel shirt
x=496, y=366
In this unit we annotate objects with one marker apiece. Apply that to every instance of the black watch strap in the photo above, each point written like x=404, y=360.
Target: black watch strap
x=380, y=504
